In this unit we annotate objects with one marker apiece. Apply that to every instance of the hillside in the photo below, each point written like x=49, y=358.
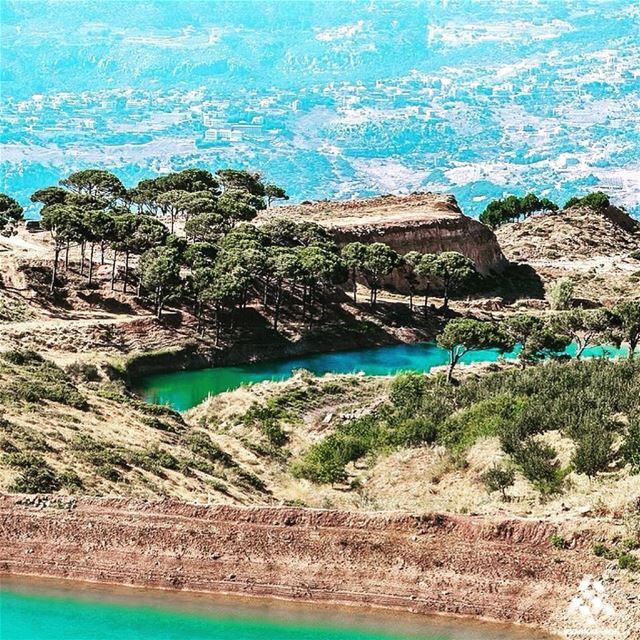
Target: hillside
x=425, y=222
x=599, y=250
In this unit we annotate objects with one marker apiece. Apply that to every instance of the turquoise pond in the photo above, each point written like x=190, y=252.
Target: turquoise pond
x=185, y=389
x=331, y=99
x=71, y=615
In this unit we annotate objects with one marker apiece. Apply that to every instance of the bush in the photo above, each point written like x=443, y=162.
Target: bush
x=251, y=480
x=21, y=357
x=36, y=477
x=325, y=462
x=561, y=294
x=538, y=463
x=155, y=460
x=593, y=453
x=83, y=371
x=96, y=453
x=485, y=418
x=407, y=390
x=201, y=444
x=499, y=478
x=631, y=447
x=34, y=379
x=514, y=404
x=629, y=562
x=602, y=551
x=267, y=419
x=69, y=479
x=559, y=542
x=413, y=432
x=21, y=460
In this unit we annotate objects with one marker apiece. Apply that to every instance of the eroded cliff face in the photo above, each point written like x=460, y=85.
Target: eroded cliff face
x=425, y=222
x=504, y=570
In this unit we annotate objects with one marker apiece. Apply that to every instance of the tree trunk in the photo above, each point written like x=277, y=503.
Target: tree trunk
x=66, y=256
x=304, y=302
x=91, y=262
x=217, y=320
x=450, y=368
x=276, y=308
x=445, y=301
x=102, y=253
x=113, y=269
x=126, y=270
x=54, y=271
x=159, y=304
x=82, y=256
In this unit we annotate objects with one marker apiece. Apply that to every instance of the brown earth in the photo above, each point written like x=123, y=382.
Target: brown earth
x=505, y=570
x=425, y=222
x=595, y=249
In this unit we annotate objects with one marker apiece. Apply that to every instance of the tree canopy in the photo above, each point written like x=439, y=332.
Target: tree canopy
x=513, y=208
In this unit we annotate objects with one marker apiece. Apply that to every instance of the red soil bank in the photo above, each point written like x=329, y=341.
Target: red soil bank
x=505, y=570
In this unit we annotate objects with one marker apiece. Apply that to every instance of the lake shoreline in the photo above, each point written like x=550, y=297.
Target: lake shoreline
x=336, y=614
x=474, y=567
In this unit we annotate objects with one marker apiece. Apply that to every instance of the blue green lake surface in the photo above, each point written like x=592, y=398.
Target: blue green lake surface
x=96, y=613
x=185, y=389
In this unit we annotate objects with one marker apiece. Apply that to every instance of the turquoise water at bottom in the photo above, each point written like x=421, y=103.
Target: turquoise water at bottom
x=185, y=389
x=63, y=617
x=28, y=617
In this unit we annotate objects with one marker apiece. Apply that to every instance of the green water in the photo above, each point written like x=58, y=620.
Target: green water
x=185, y=389
x=29, y=617
x=67, y=615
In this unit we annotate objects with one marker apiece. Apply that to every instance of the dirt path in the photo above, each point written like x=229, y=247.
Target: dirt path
x=79, y=319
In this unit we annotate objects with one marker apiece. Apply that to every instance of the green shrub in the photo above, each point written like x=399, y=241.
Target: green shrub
x=628, y=561
x=593, y=453
x=83, y=371
x=559, y=542
x=201, y=444
x=157, y=423
x=36, y=476
x=20, y=460
x=108, y=472
x=251, y=480
x=407, y=390
x=499, y=478
x=631, y=447
x=96, y=453
x=514, y=404
x=602, y=551
x=69, y=479
x=412, y=432
x=155, y=460
x=538, y=463
x=482, y=419
x=22, y=356
x=267, y=419
x=561, y=294
x=596, y=200
x=33, y=379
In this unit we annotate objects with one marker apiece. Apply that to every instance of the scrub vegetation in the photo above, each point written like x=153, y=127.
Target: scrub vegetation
x=594, y=403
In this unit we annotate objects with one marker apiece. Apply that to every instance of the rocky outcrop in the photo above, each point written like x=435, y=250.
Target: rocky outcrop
x=425, y=222
x=505, y=570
